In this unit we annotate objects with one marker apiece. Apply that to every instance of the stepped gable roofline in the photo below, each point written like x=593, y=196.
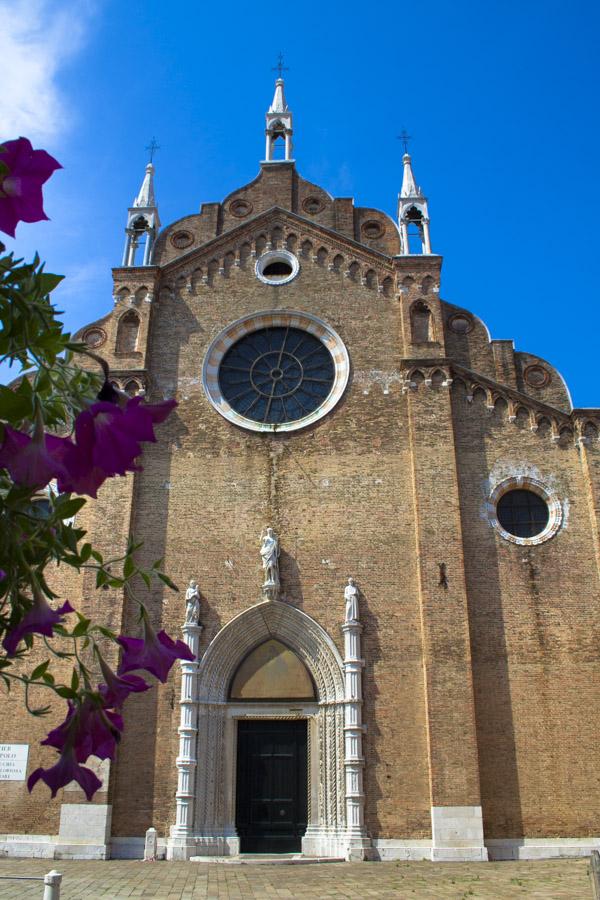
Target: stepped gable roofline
x=335, y=238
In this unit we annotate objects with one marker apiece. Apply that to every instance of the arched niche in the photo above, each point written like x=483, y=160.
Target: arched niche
x=127, y=332
x=421, y=323
x=272, y=672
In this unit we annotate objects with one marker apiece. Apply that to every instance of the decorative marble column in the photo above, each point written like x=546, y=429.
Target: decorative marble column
x=357, y=841
x=181, y=844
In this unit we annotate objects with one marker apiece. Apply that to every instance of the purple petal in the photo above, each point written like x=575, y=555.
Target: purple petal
x=65, y=771
x=21, y=187
x=29, y=462
x=40, y=619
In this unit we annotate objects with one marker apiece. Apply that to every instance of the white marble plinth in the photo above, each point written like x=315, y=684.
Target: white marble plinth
x=457, y=834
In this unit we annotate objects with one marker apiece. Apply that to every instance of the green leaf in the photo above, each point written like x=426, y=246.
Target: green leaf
x=48, y=282
x=166, y=580
x=66, y=692
x=129, y=567
x=74, y=680
x=48, y=678
x=39, y=671
x=81, y=627
x=14, y=406
x=85, y=552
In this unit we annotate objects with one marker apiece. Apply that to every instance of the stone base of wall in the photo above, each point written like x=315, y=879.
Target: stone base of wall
x=457, y=834
x=540, y=848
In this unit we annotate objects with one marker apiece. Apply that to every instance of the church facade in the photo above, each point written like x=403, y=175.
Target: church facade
x=389, y=527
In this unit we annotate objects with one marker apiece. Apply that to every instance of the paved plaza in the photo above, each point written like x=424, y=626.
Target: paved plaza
x=565, y=879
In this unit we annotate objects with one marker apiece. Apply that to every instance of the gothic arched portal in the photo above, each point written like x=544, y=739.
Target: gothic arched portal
x=214, y=815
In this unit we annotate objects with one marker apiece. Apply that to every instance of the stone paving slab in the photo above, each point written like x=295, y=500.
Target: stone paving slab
x=557, y=879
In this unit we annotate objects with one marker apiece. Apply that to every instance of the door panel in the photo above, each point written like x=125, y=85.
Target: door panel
x=272, y=785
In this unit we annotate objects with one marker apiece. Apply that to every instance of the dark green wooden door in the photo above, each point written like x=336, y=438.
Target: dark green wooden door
x=271, y=807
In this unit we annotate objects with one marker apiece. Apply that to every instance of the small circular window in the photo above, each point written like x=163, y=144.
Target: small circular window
x=372, y=230
x=94, y=337
x=182, y=239
x=537, y=376
x=277, y=267
x=524, y=511
x=313, y=205
x=460, y=323
x=240, y=208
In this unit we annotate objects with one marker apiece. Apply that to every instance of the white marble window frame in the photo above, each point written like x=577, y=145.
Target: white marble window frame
x=273, y=319
x=272, y=256
x=526, y=483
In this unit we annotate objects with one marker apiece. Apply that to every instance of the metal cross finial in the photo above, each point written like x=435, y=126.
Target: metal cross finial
x=153, y=147
x=405, y=137
x=280, y=66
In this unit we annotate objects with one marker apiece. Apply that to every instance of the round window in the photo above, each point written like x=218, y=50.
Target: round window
x=276, y=375
x=524, y=511
x=276, y=371
x=537, y=376
x=94, y=337
x=277, y=267
x=182, y=239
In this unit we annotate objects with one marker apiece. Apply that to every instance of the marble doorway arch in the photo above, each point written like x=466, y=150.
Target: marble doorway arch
x=213, y=829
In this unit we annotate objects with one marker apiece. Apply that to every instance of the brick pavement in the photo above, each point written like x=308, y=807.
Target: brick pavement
x=565, y=879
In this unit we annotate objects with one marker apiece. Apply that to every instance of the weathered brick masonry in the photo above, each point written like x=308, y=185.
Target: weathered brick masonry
x=481, y=679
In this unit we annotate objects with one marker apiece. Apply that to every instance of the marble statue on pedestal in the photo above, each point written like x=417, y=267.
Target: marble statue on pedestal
x=351, y=598
x=192, y=604
x=269, y=551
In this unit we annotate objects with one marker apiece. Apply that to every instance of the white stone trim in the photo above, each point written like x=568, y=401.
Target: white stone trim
x=457, y=834
x=214, y=832
x=540, y=848
x=270, y=319
x=385, y=849
x=272, y=256
x=525, y=482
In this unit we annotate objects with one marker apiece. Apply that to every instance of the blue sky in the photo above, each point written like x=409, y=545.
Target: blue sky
x=500, y=97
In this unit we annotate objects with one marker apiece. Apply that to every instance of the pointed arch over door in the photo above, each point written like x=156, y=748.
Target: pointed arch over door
x=214, y=820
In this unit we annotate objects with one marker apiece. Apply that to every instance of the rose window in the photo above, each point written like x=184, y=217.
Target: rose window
x=276, y=375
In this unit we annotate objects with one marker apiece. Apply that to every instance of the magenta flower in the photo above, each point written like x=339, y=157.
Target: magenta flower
x=23, y=171
x=117, y=689
x=32, y=461
x=88, y=730
x=40, y=619
x=66, y=770
x=107, y=441
x=156, y=653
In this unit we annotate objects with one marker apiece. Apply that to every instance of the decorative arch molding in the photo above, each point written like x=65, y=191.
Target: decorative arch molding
x=214, y=832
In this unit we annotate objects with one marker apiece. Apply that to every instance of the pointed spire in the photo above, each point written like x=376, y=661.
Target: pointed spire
x=413, y=213
x=279, y=104
x=145, y=197
x=279, y=125
x=143, y=223
x=409, y=185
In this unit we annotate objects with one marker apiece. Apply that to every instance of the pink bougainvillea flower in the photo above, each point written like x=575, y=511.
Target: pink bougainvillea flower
x=107, y=441
x=66, y=770
x=32, y=461
x=24, y=171
x=89, y=730
x=155, y=653
x=118, y=688
x=40, y=619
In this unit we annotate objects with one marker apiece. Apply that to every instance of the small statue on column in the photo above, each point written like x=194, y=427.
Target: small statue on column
x=269, y=551
x=192, y=604
x=351, y=598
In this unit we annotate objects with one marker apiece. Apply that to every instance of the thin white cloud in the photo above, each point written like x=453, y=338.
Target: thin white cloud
x=37, y=38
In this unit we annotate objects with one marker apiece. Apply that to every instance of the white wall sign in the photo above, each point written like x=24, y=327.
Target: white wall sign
x=13, y=762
